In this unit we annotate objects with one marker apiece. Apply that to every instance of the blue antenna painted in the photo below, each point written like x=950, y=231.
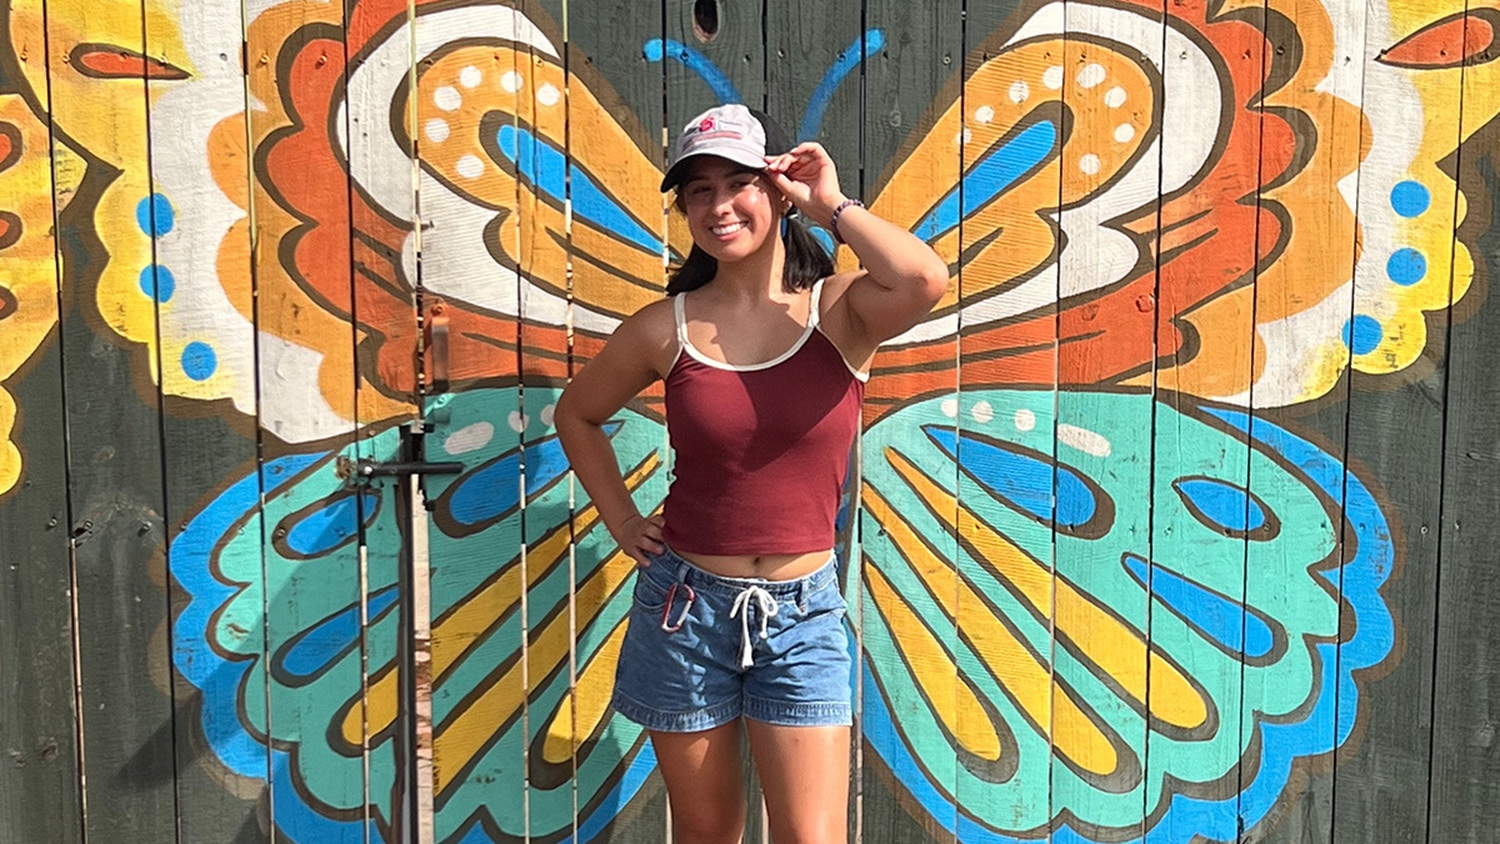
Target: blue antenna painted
x=812, y=117
x=657, y=49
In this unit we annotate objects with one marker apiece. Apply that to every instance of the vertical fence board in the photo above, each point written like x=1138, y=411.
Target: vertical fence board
x=552, y=608
x=477, y=202
x=615, y=89
x=1406, y=207
x=1304, y=162
x=200, y=282
x=383, y=198
x=113, y=425
x=1464, y=779
x=905, y=597
x=1103, y=656
x=38, y=728
x=313, y=709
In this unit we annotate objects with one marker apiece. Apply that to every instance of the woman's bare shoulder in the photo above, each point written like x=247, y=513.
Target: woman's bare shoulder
x=651, y=332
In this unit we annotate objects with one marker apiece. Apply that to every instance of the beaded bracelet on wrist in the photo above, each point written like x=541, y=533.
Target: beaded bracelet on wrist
x=833, y=222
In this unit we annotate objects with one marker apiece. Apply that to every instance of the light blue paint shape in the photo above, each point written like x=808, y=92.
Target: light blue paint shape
x=848, y=60
x=318, y=647
x=158, y=283
x=657, y=49
x=1410, y=199
x=322, y=530
x=1406, y=266
x=995, y=173
x=1020, y=479
x=1236, y=628
x=544, y=165
x=199, y=361
x=154, y=215
x=1363, y=334
x=1227, y=506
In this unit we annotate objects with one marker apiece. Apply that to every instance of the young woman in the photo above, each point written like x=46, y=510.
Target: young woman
x=765, y=352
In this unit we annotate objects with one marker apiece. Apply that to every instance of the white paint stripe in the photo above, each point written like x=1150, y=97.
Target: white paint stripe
x=1086, y=441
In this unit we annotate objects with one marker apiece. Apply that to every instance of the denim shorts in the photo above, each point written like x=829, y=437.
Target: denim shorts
x=702, y=650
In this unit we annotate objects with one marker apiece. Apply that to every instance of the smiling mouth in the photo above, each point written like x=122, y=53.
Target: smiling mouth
x=731, y=228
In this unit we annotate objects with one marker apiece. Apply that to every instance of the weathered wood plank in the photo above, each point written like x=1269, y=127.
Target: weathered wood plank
x=1403, y=205
x=905, y=600
x=113, y=422
x=1310, y=258
x=1110, y=170
x=199, y=279
x=1465, y=773
x=39, y=784
x=614, y=105
x=313, y=709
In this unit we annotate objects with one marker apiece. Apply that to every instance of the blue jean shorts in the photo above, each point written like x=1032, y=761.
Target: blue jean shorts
x=702, y=650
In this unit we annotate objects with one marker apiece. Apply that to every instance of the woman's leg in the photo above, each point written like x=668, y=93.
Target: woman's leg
x=702, y=772
x=804, y=775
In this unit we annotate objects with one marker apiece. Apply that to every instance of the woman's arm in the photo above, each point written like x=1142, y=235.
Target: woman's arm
x=629, y=363
x=902, y=277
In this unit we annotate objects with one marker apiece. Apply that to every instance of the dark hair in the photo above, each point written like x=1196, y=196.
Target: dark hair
x=806, y=261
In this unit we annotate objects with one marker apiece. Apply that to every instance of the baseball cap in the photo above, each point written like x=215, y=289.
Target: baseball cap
x=740, y=134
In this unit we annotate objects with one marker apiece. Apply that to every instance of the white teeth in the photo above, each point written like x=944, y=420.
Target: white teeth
x=723, y=230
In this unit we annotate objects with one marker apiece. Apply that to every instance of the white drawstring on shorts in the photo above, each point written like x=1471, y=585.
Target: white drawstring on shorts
x=766, y=603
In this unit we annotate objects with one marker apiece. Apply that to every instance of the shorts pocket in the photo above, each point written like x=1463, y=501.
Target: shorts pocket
x=649, y=595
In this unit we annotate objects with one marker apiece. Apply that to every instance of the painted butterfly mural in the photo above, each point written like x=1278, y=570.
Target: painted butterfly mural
x=1100, y=597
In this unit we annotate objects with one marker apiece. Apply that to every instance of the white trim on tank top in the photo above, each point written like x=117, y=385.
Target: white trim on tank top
x=679, y=311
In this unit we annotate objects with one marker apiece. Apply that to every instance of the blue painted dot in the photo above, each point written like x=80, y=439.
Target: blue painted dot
x=1363, y=334
x=199, y=361
x=158, y=282
x=1406, y=267
x=1410, y=199
x=154, y=215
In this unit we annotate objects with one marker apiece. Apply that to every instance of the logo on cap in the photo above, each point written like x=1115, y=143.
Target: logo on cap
x=706, y=124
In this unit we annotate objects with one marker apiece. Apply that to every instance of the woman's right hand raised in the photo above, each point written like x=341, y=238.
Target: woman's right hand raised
x=640, y=537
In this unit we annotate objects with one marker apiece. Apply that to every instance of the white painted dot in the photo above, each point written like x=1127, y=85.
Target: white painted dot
x=1019, y=91
x=1124, y=133
x=1114, y=97
x=436, y=129
x=982, y=412
x=511, y=81
x=447, y=98
x=470, y=76
x=1052, y=77
x=548, y=95
x=965, y=136
x=547, y=414
x=1086, y=441
x=469, y=438
x=1025, y=420
x=950, y=408
x=1091, y=76
x=470, y=167
x=517, y=421
x=984, y=114
x=1089, y=164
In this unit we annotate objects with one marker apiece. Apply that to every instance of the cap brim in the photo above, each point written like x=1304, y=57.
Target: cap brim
x=679, y=167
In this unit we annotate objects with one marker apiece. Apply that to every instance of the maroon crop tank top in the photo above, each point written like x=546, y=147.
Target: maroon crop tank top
x=762, y=450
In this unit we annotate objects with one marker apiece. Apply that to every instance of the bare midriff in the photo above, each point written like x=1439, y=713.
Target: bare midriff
x=764, y=566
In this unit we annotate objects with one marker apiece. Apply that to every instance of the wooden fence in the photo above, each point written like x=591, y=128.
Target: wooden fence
x=1176, y=522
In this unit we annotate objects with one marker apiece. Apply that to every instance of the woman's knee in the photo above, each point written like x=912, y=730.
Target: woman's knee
x=709, y=824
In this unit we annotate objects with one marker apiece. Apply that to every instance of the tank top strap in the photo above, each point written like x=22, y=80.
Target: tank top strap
x=679, y=310
x=813, y=309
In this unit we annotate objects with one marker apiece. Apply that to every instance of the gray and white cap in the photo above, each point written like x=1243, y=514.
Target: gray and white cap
x=734, y=132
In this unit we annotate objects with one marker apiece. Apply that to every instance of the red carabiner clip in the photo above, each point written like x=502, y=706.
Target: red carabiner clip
x=666, y=611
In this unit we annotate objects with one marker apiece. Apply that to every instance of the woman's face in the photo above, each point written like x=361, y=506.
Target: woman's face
x=732, y=211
